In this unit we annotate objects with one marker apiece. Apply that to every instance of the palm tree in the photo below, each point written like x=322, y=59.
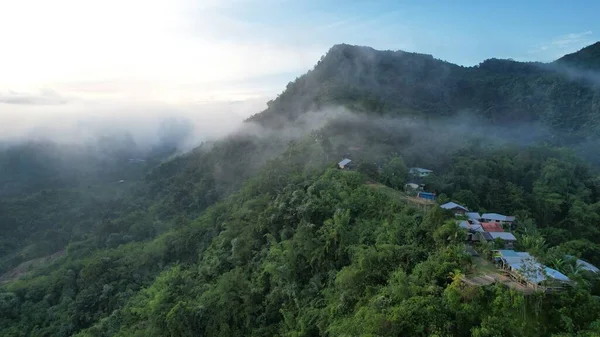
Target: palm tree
x=534, y=243
x=575, y=272
x=557, y=263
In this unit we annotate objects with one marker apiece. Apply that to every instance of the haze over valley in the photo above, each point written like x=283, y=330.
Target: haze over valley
x=280, y=168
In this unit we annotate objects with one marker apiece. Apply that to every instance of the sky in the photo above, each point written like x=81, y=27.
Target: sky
x=64, y=58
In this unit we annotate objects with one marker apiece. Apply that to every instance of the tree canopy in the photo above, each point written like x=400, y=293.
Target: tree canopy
x=256, y=235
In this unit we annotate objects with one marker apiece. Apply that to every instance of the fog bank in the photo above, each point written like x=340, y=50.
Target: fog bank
x=147, y=123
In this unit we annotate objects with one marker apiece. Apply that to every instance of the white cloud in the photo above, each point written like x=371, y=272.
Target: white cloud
x=561, y=45
x=133, y=41
x=43, y=97
x=569, y=40
x=70, y=68
x=79, y=121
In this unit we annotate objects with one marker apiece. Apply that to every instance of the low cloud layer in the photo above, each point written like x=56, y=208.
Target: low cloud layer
x=25, y=118
x=43, y=97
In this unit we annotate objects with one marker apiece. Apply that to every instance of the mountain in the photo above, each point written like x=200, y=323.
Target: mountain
x=505, y=92
x=587, y=58
x=260, y=234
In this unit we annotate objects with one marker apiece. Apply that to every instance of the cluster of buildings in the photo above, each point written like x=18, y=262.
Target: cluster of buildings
x=521, y=267
x=416, y=175
x=484, y=227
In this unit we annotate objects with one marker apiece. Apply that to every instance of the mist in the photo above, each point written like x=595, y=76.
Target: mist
x=366, y=136
x=148, y=124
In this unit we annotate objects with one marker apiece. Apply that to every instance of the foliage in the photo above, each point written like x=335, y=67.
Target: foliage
x=312, y=253
x=261, y=236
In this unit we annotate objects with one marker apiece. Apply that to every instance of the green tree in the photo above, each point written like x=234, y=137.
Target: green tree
x=394, y=173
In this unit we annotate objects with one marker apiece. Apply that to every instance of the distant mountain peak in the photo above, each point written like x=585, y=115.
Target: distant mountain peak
x=585, y=58
x=356, y=50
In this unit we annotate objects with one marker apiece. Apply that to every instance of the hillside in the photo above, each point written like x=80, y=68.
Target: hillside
x=260, y=234
x=505, y=92
x=587, y=58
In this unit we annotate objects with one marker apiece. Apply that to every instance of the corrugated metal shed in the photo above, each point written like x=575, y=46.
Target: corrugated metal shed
x=588, y=266
x=474, y=215
x=508, y=253
x=529, y=268
x=453, y=205
x=503, y=235
x=477, y=228
x=469, y=226
x=497, y=217
x=464, y=224
x=585, y=265
x=344, y=162
x=486, y=236
x=419, y=170
x=555, y=274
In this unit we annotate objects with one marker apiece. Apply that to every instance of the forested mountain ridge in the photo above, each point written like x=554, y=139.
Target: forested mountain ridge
x=259, y=234
x=396, y=82
x=587, y=58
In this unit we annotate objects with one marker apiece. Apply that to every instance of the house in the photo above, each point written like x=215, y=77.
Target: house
x=455, y=208
x=498, y=218
x=523, y=267
x=411, y=186
x=345, y=163
x=585, y=265
x=419, y=172
x=476, y=228
x=491, y=227
x=483, y=237
x=473, y=216
x=471, y=227
x=508, y=238
x=426, y=195
x=416, y=181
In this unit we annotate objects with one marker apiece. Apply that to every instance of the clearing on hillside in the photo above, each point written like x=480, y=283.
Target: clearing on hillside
x=399, y=195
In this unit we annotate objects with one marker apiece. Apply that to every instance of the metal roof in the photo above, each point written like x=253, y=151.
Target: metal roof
x=420, y=170
x=492, y=227
x=533, y=272
x=529, y=268
x=508, y=253
x=452, y=205
x=344, y=162
x=588, y=266
x=497, y=217
x=504, y=236
x=469, y=226
x=464, y=224
x=477, y=228
x=486, y=235
x=555, y=274
x=474, y=215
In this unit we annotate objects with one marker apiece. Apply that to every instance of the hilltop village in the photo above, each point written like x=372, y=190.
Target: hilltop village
x=490, y=241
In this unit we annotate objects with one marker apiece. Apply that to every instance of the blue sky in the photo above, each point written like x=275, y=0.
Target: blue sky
x=199, y=44
x=463, y=32
x=72, y=55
